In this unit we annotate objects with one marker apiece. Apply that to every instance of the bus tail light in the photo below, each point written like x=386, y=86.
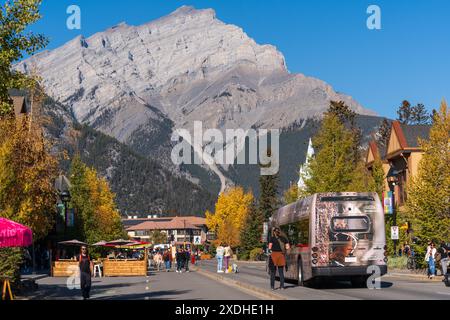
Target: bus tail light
x=315, y=249
x=315, y=255
x=314, y=261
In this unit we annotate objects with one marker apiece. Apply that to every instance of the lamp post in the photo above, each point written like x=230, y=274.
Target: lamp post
x=62, y=185
x=65, y=198
x=392, y=180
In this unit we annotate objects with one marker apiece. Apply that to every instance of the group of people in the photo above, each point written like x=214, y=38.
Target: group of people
x=434, y=256
x=163, y=259
x=223, y=255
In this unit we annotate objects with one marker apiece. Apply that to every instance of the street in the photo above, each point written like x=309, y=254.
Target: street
x=156, y=286
x=392, y=287
x=196, y=285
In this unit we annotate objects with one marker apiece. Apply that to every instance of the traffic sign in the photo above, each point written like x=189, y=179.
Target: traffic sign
x=197, y=240
x=395, y=233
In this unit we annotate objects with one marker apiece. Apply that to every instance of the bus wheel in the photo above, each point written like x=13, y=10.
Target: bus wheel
x=300, y=282
x=359, y=281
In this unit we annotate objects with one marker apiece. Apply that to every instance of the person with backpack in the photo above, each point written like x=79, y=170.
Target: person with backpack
x=86, y=271
x=443, y=253
x=219, y=256
x=278, y=245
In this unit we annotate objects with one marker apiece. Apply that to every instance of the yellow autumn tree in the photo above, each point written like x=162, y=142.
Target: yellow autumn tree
x=231, y=211
x=27, y=174
x=93, y=200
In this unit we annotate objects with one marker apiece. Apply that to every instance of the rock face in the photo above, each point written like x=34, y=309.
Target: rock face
x=138, y=83
x=186, y=66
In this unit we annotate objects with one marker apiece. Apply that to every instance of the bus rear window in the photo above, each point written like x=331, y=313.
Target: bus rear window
x=350, y=224
x=347, y=198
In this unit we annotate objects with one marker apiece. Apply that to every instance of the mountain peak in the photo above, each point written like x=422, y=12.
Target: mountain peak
x=190, y=10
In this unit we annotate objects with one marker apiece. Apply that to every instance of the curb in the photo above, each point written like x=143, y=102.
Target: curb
x=417, y=276
x=256, y=291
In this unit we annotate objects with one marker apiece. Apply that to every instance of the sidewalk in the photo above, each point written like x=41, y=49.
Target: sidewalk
x=422, y=275
x=257, y=281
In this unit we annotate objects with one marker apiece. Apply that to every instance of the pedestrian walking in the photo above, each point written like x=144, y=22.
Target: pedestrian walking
x=166, y=258
x=158, y=260
x=219, y=256
x=444, y=253
x=187, y=257
x=278, y=245
x=179, y=259
x=227, y=256
x=430, y=259
x=86, y=271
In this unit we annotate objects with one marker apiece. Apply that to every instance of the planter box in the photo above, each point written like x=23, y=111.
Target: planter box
x=124, y=268
x=65, y=268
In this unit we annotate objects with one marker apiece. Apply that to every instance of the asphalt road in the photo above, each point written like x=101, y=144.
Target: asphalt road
x=392, y=287
x=158, y=285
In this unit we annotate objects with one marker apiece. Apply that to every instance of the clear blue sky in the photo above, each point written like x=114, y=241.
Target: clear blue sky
x=327, y=39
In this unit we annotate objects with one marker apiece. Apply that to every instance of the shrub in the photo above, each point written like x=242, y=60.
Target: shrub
x=397, y=262
x=10, y=261
x=256, y=254
x=243, y=256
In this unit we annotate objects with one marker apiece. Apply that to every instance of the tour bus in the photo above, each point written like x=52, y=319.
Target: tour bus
x=334, y=235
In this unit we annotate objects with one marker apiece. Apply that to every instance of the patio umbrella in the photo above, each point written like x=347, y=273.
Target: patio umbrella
x=75, y=243
x=99, y=244
x=118, y=243
x=13, y=234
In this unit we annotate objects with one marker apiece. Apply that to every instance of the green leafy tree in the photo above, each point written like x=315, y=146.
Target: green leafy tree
x=428, y=203
x=15, y=42
x=252, y=231
x=97, y=216
x=378, y=177
x=332, y=168
x=291, y=195
x=158, y=237
x=27, y=175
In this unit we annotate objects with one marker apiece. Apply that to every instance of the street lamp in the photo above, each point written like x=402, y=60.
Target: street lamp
x=392, y=179
x=65, y=198
x=62, y=185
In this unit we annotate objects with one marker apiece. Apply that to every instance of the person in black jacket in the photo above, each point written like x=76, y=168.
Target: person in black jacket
x=180, y=260
x=187, y=257
x=86, y=271
x=444, y=252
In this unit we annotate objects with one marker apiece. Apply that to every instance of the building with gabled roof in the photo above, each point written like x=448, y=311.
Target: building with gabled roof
x=400, y=157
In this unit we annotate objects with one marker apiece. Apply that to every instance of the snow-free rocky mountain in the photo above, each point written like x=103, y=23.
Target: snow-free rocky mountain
x=139, y=83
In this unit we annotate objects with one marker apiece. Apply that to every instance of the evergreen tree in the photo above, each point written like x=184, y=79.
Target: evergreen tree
x=384, y=133
x=419, y=115
x=332, y=168
x=428, y=205
x=404, y=112
x=268, y=201
x=252, y=231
